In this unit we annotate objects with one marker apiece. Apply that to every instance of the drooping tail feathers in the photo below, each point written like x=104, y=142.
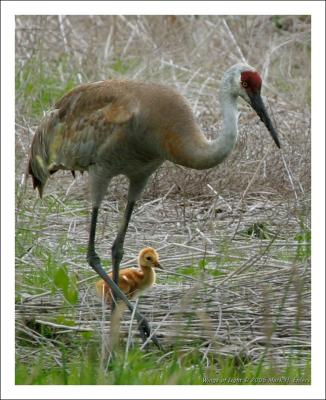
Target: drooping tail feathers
x=39, y=163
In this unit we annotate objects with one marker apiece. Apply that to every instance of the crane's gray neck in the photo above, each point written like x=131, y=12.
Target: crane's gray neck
x=227, y=138
x=208, y=154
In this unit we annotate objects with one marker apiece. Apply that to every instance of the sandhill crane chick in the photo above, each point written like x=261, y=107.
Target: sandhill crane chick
x=134, y=281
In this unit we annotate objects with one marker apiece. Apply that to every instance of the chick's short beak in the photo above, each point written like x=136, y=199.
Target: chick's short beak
x=158, y=265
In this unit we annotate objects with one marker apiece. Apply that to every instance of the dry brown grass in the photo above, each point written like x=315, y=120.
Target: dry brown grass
x=250, y=298
x=191, y=54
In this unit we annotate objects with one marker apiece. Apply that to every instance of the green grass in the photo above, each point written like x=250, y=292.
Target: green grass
x=42, y=84
x=176, y=367
x=53, y=275
x=303, y=239
x=122, y=67
x=197, y=270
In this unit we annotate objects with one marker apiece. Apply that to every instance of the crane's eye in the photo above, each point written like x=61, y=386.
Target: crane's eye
x=149, y=258
x=244, y=84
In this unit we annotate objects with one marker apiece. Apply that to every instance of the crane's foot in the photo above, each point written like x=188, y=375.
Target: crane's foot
x=143, y=325
x=145, y=333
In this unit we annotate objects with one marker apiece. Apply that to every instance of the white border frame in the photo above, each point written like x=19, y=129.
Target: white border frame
x=8, y=12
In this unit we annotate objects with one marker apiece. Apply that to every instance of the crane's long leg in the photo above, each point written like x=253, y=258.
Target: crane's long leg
x=117, y=247
x=117, y=254
x=95, y=263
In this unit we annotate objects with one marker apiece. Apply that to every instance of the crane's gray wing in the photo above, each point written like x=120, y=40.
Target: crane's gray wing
x=69, y=135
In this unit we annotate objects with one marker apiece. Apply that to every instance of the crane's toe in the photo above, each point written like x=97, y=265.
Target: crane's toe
x=145, y=333
x=144, y=329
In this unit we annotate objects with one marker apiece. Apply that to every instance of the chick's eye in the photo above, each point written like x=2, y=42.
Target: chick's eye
x=244, y=84
x=148, y=258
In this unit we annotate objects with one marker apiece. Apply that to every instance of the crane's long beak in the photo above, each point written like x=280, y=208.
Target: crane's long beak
x=258, y=105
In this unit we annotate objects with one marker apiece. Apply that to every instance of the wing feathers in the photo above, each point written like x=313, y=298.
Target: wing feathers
x=106, y=97
x=131, y=282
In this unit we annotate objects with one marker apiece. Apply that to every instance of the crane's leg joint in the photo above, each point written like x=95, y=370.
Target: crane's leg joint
x=93, y=259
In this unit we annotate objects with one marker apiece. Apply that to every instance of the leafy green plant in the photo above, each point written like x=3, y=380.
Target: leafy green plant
x=304, y=243
x=67, y=283
x=258, y=230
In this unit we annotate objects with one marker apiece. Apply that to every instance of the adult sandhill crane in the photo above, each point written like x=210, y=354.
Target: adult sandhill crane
x=124, y=127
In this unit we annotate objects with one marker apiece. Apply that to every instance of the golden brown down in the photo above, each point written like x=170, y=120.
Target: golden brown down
x=134, y=281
